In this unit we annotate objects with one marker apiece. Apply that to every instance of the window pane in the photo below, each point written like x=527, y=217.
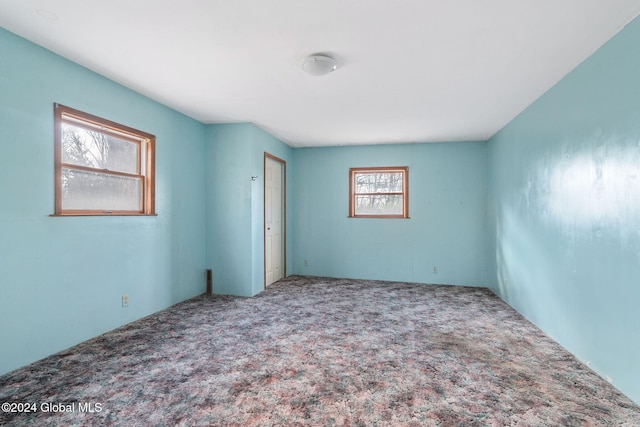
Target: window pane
x=379, y=182
x=379, y=205
x=97, y=150
x=97, y=191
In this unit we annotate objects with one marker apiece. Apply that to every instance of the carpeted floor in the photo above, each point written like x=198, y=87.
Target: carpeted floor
x=321, y=352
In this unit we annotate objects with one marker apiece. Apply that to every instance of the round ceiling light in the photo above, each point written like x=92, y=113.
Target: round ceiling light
x=319, y=65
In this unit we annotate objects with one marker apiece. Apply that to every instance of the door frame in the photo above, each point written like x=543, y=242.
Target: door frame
x=283, y=189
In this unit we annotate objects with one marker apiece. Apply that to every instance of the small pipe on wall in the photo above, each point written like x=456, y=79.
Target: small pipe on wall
x=209, y=282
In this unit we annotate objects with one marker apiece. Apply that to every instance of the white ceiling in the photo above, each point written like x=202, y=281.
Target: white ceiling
x=409, y=70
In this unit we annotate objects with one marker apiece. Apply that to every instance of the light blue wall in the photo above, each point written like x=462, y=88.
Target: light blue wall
x=565, y=196
x=228, y=199
x=446, y=228
x=61, y=279
x=235, y=213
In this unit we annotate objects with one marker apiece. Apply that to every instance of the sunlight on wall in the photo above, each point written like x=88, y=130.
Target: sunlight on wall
x=601, y=189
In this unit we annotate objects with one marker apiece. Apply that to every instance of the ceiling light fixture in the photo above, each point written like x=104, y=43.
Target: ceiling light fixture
x=319, y=65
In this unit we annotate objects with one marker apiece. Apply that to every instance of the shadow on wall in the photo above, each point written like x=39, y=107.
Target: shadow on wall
x=517, y=251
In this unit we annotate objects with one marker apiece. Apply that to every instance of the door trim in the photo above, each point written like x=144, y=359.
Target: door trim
x=264, y=216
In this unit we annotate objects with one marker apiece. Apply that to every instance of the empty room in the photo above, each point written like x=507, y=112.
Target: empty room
x=243, y=213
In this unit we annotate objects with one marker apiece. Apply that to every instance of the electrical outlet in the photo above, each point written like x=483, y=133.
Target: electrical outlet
x=125, y=300
x=435, y=269
x=306, y=262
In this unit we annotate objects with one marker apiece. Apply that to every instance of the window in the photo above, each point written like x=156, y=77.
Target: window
x=101, y=167
x=380, y=192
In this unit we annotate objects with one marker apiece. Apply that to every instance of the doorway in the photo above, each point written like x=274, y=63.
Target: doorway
x=275, y=231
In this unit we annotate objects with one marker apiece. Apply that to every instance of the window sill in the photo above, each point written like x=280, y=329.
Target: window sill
x=101, y=214
x=379, y=216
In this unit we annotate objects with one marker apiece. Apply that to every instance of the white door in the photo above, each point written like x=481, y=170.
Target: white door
x=273, y=220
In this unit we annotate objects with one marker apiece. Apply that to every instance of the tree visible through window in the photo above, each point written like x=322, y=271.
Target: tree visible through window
x=379, y=192
x=101, y=167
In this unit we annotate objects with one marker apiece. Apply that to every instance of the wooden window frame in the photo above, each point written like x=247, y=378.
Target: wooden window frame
x=386, y=169
x=63, y=114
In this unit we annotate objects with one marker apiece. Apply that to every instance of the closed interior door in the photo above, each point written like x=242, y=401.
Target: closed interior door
x=273, y=220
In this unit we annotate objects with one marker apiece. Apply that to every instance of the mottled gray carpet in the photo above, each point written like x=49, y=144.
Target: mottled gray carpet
x=320, y=352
